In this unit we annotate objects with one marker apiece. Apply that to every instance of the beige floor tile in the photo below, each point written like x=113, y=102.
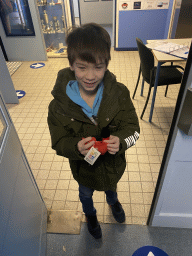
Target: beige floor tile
x=109, y=219
x=35, y=165
x=38, y=157
x=133, y=167
x=56, y=166
x=73, y=195
x=140, y=144
x=127, y=210
x=144, y=167
x=143, y=158
x=65, y=175
x=99, y=197
x=73, y=185
x=48, y=157
x=58, y=158
x=141, y=151
x=41, y=149
x=131, y=158
x=60, y=195
x=63, y=184
x=124, y=197
x=155, y=167
x=134, y=176
x=146, y=176
x=147, y=187
x=139, y=221
x=69, y=205
x=31, y=149
x=42, y=174
x=100, y=218
x=51, y=184
x=160, y=144
x=45, y=165
x=150, y=144
x=155, y=176
x=147, y=210
x=49, y=194
x=66, y=166
x=54, y=175
x=135, y=187
x=160, y=151
x=123, y=186
x=148, y=197
x=131, y=151
x=137, y=210
x=35, y=173
x=154, y=159
x=124, y=176
x=41, y=183
x=136, y=198
x=99, y=208
x=58, y=205
x=152, y=151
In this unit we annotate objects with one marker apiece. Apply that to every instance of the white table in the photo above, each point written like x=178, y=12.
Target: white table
x=162, y=58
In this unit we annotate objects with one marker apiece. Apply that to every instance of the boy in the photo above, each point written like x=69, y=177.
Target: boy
x=89, y=102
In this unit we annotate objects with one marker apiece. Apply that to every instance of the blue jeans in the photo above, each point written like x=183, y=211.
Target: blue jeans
x=85, y=195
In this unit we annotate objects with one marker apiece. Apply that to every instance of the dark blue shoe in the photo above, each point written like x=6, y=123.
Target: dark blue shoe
x=118, y=212
x=93, y=226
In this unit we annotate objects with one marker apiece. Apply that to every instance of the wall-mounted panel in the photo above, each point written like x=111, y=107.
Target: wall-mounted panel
x=143, y=24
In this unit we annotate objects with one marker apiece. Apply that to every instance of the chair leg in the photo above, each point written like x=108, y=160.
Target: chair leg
x=137, y=82
x=166, y=90
x=142, y=87
x=146, y=102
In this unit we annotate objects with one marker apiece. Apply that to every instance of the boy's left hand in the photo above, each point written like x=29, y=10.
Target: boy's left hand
x=113, y=144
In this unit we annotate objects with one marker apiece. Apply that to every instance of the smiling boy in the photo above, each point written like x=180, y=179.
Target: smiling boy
x=89, y=102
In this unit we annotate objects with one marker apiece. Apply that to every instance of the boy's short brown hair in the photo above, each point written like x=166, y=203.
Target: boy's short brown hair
x=90, y=43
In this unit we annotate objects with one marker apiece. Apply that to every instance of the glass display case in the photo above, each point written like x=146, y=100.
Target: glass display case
x=53, y=22
x=16, y=18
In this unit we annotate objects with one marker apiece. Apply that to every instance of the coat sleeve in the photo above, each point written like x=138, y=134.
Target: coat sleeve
x=62, y=141
x=128, y=129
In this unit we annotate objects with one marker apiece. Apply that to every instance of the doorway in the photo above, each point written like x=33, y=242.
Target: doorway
x=96, y=11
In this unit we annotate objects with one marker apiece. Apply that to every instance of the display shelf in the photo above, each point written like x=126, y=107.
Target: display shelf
x=53, y=25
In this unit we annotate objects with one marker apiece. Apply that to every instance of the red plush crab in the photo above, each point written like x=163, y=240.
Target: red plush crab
x=101, y=146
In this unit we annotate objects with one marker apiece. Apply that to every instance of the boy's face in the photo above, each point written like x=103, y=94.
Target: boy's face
x=88, y=75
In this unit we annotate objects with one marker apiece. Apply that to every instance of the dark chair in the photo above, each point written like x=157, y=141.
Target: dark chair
x=167, y=75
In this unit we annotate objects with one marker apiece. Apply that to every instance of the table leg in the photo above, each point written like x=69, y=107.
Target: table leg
x=154, y=91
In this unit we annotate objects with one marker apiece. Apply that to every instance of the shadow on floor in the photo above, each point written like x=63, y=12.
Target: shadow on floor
x=120, y=240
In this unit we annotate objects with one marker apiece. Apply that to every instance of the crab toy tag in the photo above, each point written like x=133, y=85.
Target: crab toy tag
x=92, y=155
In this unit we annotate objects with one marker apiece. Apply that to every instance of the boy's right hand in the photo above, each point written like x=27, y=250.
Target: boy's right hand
x=83, y=145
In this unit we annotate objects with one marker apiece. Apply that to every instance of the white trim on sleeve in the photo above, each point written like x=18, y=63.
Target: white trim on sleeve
x=131, y=140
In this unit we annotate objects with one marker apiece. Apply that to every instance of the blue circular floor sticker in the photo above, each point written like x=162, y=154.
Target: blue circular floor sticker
x=37, y=65
x=149, y=251
x=20, y=94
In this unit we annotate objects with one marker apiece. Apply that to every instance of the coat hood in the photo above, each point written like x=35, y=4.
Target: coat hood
x=59, y=90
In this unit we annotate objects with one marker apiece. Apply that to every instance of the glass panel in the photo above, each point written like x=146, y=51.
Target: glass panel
x=16, y=18
x=54, y=25
x=3, y=127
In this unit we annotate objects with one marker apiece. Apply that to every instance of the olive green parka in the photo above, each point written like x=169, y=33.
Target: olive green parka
x=68, y=124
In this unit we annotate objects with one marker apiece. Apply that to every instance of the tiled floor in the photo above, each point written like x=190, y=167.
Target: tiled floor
x=52, y=172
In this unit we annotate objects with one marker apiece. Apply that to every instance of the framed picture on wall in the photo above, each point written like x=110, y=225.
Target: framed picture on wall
x=16, y=18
